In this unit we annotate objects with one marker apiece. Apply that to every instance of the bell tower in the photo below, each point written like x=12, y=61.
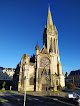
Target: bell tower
x=50, y=35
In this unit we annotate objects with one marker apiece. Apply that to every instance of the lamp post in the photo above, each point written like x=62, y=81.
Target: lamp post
x=25, y=78
x=25, y=92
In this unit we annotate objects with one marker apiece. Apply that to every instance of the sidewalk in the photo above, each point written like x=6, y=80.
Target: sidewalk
x=7, y=93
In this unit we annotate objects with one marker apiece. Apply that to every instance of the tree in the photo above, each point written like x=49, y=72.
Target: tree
x=4, y=83
x=71, y=86
x=32, y=59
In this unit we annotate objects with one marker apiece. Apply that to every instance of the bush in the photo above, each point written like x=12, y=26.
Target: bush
x=4, y=83
x=71, y=86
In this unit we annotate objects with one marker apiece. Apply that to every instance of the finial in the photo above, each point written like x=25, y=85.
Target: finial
x=48, y=5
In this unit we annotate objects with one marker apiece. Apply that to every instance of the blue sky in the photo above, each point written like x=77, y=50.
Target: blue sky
x=22, y=24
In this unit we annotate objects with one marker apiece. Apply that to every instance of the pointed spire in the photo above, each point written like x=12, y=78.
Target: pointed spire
x=22, y=55
x=37, y=46
x=49, y=17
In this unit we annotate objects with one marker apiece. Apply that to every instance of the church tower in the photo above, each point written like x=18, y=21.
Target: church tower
x=50, y=35
x=47, y=60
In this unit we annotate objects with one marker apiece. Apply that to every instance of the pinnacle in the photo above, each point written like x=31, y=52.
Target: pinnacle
x=49, y=18
x=37, y=46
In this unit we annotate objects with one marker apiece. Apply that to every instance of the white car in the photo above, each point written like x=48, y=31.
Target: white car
x=72, y=95
x=69, y=96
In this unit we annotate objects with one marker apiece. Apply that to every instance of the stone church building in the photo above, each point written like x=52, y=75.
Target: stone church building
x=45, y=71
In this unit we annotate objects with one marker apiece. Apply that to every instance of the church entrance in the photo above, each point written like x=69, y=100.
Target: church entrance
x=44, y=74
x=45, y=80
x=44, y=87
x=43, y=83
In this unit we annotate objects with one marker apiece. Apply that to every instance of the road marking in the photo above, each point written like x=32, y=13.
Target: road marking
x=36, y=99
x=54, y=98
x=18, y=99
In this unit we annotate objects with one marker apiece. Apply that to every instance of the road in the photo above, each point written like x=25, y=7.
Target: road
x=16, y=99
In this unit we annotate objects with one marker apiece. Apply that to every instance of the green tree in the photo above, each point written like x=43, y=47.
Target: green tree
x=4, y=83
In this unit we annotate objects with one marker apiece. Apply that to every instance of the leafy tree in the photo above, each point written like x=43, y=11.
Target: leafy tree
x=4, y=83
x=71, y=86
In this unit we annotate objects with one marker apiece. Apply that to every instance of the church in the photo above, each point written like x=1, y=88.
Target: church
x=44, y=70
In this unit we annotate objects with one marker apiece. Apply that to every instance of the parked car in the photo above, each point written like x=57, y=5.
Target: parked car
x=77, y=100
x=69, y=96
x=75, y=95
x=72, y=96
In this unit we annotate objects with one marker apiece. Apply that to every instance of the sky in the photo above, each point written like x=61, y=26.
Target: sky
x=22, y=23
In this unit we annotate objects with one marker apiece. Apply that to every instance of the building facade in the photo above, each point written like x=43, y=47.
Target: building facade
x=6, y=74
x=46, y=71
x=74, y=77
x=24, y=70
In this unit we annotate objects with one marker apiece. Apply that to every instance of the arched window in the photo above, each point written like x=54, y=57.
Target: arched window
x=44, y=62
x=56, y=82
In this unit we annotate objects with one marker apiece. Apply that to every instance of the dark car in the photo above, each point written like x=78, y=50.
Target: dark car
x=77, y=100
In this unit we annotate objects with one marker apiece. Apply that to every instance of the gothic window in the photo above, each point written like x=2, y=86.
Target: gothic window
x=56, y=82
x=58, y=69
x=54, y=45
x=44, y=62
x=51, y=47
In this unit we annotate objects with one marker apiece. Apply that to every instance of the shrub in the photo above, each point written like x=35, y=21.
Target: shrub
x=71, y=86
x=4, y=83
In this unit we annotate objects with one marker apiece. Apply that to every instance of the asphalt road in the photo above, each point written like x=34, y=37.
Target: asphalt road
x=17, y=99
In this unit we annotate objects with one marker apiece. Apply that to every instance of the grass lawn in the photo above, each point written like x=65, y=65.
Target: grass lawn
x=1, y=99
x=5, y=90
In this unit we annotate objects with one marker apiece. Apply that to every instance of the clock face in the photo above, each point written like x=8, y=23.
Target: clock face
x=44, y=62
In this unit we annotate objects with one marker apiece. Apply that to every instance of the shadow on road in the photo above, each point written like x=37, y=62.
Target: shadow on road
x=17, y=100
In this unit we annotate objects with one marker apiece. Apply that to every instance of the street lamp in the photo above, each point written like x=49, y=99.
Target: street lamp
x=25, y=78
x=25, y=92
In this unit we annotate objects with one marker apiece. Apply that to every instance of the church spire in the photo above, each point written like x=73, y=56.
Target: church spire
x=37, y=46
x=49, y=18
